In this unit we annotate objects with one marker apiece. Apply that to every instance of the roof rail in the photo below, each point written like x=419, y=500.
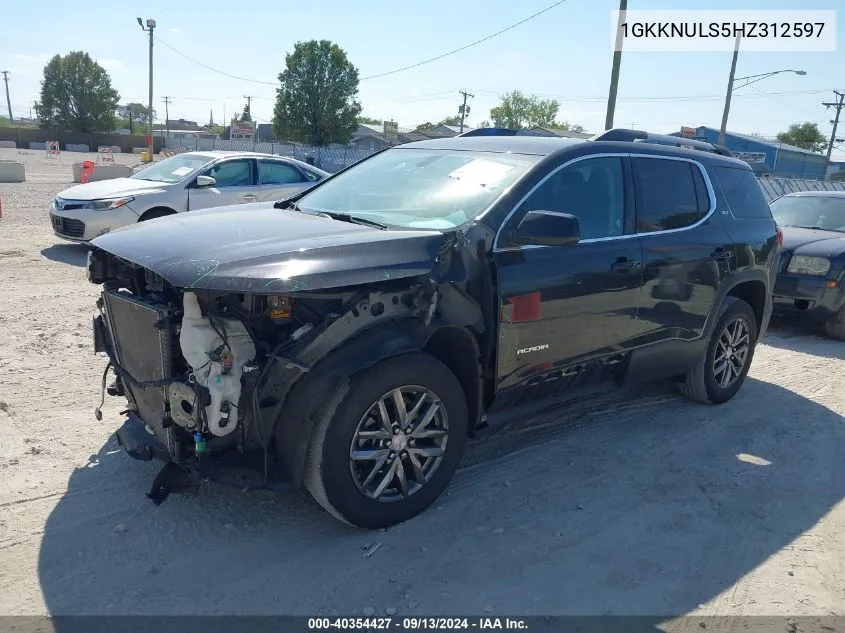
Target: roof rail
x=640, y=136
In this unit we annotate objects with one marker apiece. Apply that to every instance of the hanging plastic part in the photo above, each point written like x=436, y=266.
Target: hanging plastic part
x=98, y=413
x=199, y=445
x=224, y=413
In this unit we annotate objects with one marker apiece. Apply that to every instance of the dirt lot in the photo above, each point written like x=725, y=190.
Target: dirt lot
x=634, y=503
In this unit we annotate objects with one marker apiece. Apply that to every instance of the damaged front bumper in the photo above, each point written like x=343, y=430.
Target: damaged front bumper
x=139, y=442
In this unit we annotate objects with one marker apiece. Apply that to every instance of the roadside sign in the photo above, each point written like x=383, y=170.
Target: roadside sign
x=751, y=157
x=391, y=131
x=687, y=132
x=242, y=130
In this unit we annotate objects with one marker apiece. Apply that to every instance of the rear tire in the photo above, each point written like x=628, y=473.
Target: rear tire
x=835, y=326
x=355, y=455
x=711, y=380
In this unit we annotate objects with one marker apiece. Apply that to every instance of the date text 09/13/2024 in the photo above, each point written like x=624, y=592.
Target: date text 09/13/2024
x=416, y=623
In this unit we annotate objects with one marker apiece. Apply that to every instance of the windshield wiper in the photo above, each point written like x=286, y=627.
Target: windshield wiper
x=352, y=219
x=287, y=203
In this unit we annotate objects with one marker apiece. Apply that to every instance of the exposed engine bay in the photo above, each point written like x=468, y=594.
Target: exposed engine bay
x=207, y=373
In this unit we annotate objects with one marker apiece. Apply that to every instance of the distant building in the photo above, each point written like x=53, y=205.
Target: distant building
x=768, y=157
x=553, y=131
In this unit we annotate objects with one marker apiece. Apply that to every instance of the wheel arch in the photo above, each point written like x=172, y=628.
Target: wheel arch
x=753, y=287
x=454, y=346
x=156, y=212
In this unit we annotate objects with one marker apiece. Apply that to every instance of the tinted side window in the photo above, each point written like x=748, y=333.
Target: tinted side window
x=232, y=173
x=592, y=190
x=278, y=173
x=670, y=194
x=743, y=192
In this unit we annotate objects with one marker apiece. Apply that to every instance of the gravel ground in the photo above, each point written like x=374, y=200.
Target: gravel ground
x=630, y=503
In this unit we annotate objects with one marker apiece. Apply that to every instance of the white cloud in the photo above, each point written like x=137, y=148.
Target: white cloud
x=39, y=58
x=110, y=64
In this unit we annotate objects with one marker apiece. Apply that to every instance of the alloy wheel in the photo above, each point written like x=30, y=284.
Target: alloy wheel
x=399, y=443
x=731, y=353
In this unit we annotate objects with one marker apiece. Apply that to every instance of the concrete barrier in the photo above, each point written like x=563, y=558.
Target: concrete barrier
x=12, y=171
x=102, y=172
x=8, y=144
x=77, y=147
x=138, y=150
x=115, y=149
x=38, y=145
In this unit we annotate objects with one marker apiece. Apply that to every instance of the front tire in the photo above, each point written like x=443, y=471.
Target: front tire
x=835, y=326
x=719, y=374
x=388, y=443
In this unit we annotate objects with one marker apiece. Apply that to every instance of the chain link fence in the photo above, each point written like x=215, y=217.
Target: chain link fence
x=331, y=159
x=777, y=187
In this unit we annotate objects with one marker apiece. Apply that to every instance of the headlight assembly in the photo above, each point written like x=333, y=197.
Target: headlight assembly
x=108, y=204
x=804, y=265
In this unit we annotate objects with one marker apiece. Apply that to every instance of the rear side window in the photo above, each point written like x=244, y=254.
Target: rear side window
x=743, y=192
x=670, y=194
x=277, y=173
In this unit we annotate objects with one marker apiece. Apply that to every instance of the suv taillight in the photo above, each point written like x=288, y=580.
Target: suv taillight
x=780, y=237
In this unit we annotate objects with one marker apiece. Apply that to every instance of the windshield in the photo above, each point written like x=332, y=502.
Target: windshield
x=420, y=188
x=173, y=169
x=819, y=212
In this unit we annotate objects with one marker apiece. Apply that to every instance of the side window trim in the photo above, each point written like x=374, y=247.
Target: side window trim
x=711, y=194
x=253, y=169
x=273, y=161
x=626, y=174
x=626, y=156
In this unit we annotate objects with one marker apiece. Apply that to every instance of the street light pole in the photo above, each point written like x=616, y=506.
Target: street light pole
x=729, y=93
x=614, y=71
x=151, y=24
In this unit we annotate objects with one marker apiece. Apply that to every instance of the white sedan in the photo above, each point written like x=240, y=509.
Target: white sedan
x=185, y=182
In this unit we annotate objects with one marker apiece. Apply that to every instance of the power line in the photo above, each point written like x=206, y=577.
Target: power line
x=215, y=70
x=384, y=74
x=470, y=45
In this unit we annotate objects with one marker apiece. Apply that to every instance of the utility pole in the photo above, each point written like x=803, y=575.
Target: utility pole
x=151, y=25
x=838, y=105
x=614, y=71
x=8, y=103
x=166, y=118
x=463, y=108
x=729, y=93
x=248, y=105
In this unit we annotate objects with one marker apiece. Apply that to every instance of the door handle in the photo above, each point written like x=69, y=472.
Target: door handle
x=624, y=265
x=721, y=253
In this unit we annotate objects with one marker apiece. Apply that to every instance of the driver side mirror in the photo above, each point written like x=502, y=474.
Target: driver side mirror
x=547, y=228
x=203, y=182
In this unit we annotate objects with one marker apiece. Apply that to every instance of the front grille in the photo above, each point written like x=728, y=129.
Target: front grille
x=68, y=226
x=62, y=204
x=141, y=339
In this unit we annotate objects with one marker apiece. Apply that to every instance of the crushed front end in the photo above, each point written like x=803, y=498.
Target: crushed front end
x=187, y=363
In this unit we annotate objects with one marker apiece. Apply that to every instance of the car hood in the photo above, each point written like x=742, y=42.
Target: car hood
x=257, y=248
x=112, y=188
x=813, y=242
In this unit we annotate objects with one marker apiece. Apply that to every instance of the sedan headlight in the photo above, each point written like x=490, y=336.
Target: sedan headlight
x=108, y=204
x=804, y=265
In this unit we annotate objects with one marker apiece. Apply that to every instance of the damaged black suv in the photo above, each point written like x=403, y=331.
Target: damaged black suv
x=349, y=339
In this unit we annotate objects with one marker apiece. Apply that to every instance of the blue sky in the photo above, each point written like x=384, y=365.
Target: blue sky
x=564, y=54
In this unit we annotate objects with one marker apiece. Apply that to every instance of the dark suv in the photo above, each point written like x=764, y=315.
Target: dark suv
x=349, y=339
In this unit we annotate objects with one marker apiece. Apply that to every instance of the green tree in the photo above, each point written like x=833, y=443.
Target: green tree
x=452, y=120
x=246, y=115
x=428, y=125
x=132, y=116
x=518, y=111
x=484, y=123
x=316, y=102
x=77, y=95
x=369, y=120
x=804, y=135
